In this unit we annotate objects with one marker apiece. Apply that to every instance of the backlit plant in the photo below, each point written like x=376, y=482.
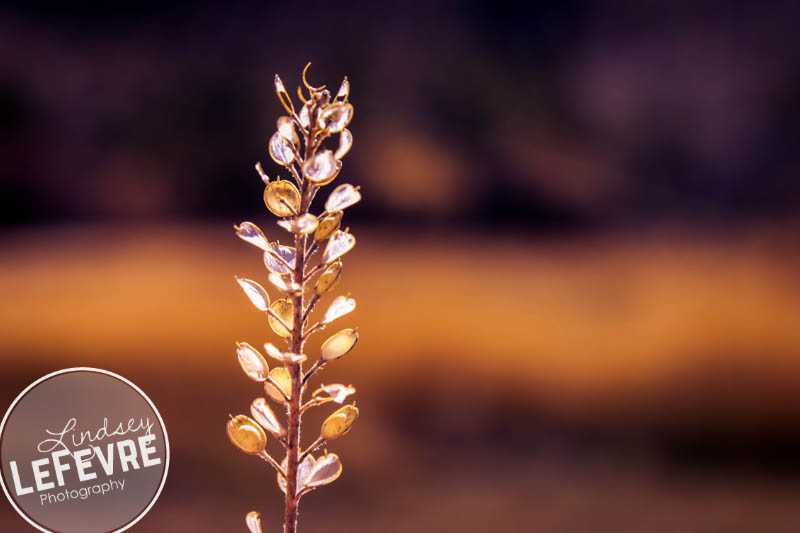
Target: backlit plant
x=309, y=143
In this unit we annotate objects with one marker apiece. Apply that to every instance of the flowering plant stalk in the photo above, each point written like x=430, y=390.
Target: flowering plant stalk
x=302, y=276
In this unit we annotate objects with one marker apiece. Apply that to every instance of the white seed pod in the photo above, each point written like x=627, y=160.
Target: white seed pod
x=258, y=296
x=304, y=117
x=340, y=306
x=287, y=131
x=283, y=357
x=336, y=393
x=345, y=143
x=252, y=362
x=327, y=226
x=283, y=378
x=302, y=224
x=246, y=434
x=287, y=253
x=303, y=469
x=339, y=244
x=283, y=96
x=280, y=150
x=284, y=309
x=281, y=282
x=322, y=168
x=342, y=197
x=336, y=117
x=250, y=233
x=253, y=521
x=339, y=344
x=328, y=280
x=282, y=198
x=263, y=415
x=326, y=470
x=344, y=91
x=339, y=423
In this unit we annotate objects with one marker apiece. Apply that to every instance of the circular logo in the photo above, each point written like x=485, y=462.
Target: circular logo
x=83, y=450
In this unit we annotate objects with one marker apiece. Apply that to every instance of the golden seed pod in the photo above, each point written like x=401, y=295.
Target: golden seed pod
x=246, y=434
x=328, y=280
x=339, y=423
x=253, y=521
x=284, y=309
x=278, y=192
x=339, y=344
x=327, y=226
x=283, y=378
x=287, y=131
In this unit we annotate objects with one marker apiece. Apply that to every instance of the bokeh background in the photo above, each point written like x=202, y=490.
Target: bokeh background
x=576, y=270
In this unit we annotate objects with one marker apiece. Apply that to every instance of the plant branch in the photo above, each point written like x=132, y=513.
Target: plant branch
x=316, y=366
x=268, y=458
x=317, y=443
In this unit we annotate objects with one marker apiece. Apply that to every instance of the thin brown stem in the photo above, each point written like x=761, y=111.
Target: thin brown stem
x=311, y=449
x=316, y=366
x=268, y=458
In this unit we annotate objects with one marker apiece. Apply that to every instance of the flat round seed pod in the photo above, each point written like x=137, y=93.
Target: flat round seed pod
x=340, y=306
x=328, y=280
x=287, y=131
x=336, y=392
x=342, y=197
x=253, y=521
x=284, y=309
x=278, y=192
x=249, y=232
x=327, y=470
x=246, y=434
x=263, y=415
x=302, y=224
x=255, y=292
x=327, y=226
x=339, y=344
x=339, y=244
x=280, y=150
x=322, y=168
x=303, y=469
x=339, y=423
x=283, y=378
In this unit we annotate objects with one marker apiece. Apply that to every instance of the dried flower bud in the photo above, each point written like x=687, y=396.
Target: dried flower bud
x=258, y=296
x=328, y=280
x=252, y=362
x=339, y=244
x=246, y=434
x=283, y=96
x=282, y=198
x=302, y=224
x=326, y=470
x=250, y=233
x=345, y=143
x=263, y=414
x=342, y=196
x=322, y=168
x=327, y=226
x=253, y=521
x=339, y=423
x=335, y=117
x=339, y=344
x=285, y=310
x=283, y=378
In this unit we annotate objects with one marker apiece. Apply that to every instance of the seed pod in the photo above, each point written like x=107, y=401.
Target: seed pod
x=344, y=91
x=336, y=393
x=280, y=150
x=278, y=192
x=327, y=226
x=336, y=117
x=342, y=196
x=339, y=344
x=284, y=309
x=302, y=224
x=303, y=469
x=329, y=278
x=287, y=131
x=327, y=470
x=339, y=244
x=322, y=168
x=252, y=362
x=339, y=423
x=345, y=143
x=340, y=306
x=249, y=232
x=287, y=253
x=283, y=357
x=258, y=296
x=253, y=521
x=283, y=378
x=246, y=434
x=263, y=414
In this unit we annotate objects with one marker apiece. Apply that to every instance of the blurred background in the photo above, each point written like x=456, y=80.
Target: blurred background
x=577, y=269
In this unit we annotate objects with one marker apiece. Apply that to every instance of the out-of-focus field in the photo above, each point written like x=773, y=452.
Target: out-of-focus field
x=620, y=383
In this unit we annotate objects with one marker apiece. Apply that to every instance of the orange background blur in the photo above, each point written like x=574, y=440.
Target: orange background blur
x=576, y=268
